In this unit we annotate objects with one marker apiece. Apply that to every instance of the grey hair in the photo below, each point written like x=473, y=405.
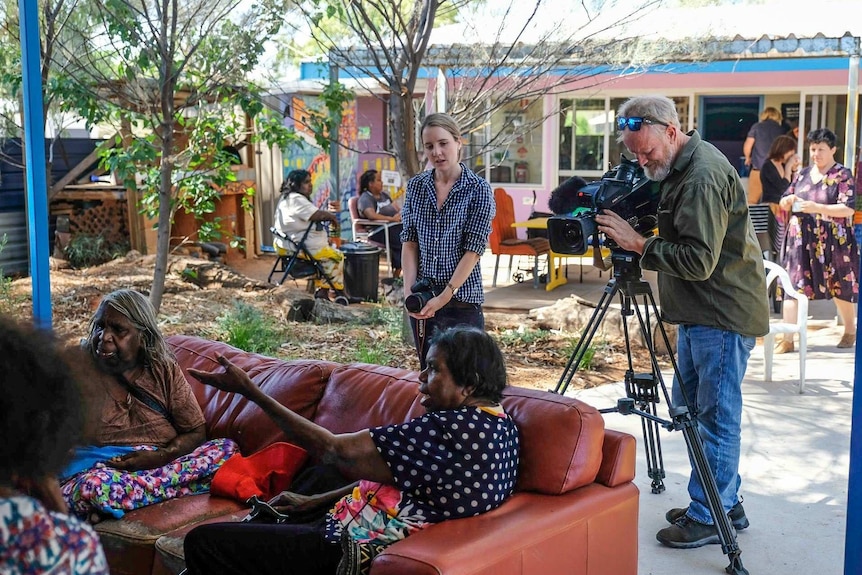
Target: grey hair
x=136, y=308
x=659, y=108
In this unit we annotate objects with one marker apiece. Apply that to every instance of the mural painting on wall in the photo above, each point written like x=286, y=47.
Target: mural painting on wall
x=309, y=156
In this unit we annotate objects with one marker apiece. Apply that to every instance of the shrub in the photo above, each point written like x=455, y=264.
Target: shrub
x=376, y=354
x=85, y=250
x=5, y=283
x=249, y=329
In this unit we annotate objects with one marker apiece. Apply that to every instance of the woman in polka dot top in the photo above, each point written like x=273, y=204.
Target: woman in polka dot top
x=458, y=460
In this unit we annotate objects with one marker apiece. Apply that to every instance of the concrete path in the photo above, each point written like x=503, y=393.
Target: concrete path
x=795, y=451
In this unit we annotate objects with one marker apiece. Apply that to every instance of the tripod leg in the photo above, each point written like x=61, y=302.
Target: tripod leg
x=652, y=448
x=589, y=331
x=726, y=535
x=643, y=388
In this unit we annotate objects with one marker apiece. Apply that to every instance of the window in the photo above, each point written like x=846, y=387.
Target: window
x=515, y=142
x=588, y=144
x=584, y=126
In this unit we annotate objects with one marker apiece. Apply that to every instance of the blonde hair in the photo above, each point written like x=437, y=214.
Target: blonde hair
x=771, y=113
x=440, y=120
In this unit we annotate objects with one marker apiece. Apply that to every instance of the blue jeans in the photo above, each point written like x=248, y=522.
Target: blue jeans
x=712, y=363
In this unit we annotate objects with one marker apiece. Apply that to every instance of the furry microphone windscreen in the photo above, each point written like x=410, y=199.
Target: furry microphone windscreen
x=563, y=200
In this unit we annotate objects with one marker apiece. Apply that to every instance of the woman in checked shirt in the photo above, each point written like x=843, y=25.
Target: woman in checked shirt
x=446, y=221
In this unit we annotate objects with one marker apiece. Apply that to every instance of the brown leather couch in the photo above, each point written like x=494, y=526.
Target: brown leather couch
x=575, y=510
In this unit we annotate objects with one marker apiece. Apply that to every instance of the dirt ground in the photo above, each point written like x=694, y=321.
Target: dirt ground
x=194, y=301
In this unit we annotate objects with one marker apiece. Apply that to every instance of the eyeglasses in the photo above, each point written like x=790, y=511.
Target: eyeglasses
x=635, y=122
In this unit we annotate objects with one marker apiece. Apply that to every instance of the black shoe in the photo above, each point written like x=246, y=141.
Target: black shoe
x=687, y=533
x=736, y=514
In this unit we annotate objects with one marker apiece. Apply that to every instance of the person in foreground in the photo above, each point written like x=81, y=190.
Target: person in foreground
x=710, y=276
x=446, y=221
x=41, y=416
x=375, y=204
x=458, y=460
x=293, y=214
x=150, y=442
x=821, y=253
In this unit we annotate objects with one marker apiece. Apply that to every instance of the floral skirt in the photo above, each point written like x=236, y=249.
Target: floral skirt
x=110, y=491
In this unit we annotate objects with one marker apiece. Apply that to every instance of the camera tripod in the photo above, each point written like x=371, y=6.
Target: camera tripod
x=643, y=389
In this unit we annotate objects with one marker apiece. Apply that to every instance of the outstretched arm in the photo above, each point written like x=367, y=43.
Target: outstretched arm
x=354, y=454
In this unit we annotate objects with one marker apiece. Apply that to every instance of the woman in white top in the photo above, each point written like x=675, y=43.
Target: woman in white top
x=293, y=214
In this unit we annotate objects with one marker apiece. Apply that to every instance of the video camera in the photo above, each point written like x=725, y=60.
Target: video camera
x=623, y=189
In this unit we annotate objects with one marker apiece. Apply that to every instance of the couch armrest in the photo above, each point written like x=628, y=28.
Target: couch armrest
x=592, y=530
x=618, y=459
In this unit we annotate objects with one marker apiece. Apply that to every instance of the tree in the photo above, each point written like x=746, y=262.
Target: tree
x=58, y=22
x=389, y=42
x=172, y=77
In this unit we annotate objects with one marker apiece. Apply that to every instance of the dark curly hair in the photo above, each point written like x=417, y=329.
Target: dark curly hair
x=293, y=180
x=474, y=360
x=823, y=135
x=366, y=178
x=41, y=409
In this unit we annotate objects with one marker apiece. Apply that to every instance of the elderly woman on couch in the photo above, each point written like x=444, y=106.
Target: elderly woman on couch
x=150, y=442
x=460, y=459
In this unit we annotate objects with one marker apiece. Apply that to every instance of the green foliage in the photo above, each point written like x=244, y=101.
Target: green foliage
x=390, y=317
x=589, y=356
x=587, y=360
x=376, y=353
x=249, y=329
x=527, y=336
x=325, y=112
x=5, y=283
x=85, y=250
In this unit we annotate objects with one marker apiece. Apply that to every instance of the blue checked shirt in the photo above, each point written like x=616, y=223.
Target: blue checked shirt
x=462, y=225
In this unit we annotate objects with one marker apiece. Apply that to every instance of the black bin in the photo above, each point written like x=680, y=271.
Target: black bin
x=361, y=270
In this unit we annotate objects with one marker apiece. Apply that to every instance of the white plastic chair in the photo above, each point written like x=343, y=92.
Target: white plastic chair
x=363, y=229
x=775, y=272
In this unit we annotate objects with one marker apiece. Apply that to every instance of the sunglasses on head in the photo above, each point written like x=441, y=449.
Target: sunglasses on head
x=635, y=122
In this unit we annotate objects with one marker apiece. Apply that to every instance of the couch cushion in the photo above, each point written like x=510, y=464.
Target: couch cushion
x=561, y=437
x=128, y=542
x=360, y=396
x=561, y=440
x=295, y=384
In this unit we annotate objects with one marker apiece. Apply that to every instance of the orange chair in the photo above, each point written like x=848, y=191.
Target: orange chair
x=504, y=239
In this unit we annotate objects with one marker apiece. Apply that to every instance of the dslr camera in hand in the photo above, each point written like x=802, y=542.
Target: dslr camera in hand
x=420, y=294
x=623, y=189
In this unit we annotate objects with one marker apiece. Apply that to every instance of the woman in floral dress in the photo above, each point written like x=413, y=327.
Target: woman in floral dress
x=150, y=444
x=820, y=251
x=41, y=416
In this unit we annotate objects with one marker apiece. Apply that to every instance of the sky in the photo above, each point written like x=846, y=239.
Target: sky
x=668, y=20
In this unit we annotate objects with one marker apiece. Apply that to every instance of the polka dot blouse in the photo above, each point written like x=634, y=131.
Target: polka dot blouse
x=446, y=464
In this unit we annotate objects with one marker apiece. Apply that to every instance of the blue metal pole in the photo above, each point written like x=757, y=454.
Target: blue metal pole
x=853, y=535
x=34, y=149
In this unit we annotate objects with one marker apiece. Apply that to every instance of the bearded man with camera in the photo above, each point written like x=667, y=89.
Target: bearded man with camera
x=711, y=284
